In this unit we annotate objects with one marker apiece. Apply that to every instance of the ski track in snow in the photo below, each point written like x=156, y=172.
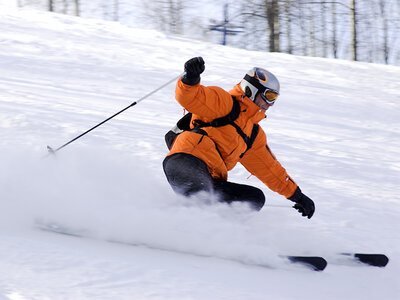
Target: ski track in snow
x=335, y=128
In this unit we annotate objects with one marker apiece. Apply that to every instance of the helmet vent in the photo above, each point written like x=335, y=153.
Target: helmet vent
x=261, y=75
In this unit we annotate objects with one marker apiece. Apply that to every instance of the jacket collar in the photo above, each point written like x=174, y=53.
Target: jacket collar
x=252, y=108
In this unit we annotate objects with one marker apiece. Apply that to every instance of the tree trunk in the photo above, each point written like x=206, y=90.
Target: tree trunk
x=312, y=33
x=51, y=5
x=288, y=27
x=272, y=11
x=116, y=10
x=334, y=28
x=77, y=10
x=354, y=29
x=385, y=32
x=323, y=21
x=302, y=20
x=65, y=9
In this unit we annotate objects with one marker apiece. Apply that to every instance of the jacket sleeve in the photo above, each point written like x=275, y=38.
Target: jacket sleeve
x=260, y=162
x=208, y=102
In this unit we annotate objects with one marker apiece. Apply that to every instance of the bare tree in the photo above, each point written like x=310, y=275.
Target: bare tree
x=65, y=8
x=255, y=25
x=272, y=13
x=324, y=41
x=385, y=31
x=359, y=30
x=77, y=8
x=51, y=5
x=116, y=10
x=354, y=29
x=334, y=28
x=167, y=14
x=288, y=19
x=311, y=31
x=303, y=29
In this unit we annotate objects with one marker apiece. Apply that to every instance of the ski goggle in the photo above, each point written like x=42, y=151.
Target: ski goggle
x=269, y=96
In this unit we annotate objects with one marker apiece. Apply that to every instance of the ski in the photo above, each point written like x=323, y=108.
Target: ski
x=316, y=263
x=376, y=260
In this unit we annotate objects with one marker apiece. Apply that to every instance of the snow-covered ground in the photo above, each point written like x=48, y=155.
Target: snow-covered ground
x=335, y=128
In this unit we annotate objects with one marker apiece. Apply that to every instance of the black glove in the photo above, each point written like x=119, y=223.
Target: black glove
x=193, y=68
x=304, y=205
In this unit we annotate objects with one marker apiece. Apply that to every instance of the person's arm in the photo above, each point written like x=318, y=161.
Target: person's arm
x=262, y=163
x=207, y=102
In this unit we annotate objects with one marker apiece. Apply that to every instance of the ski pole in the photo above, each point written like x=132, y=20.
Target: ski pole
x=53, y=151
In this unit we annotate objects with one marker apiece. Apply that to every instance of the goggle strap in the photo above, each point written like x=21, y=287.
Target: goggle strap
x=254, y=82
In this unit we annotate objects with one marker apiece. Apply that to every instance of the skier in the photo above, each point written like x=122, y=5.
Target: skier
x=222, y=129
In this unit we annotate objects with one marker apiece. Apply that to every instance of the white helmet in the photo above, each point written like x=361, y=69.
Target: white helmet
x=258, y=80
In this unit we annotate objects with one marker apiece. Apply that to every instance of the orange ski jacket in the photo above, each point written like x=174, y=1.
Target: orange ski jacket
x=221, y=148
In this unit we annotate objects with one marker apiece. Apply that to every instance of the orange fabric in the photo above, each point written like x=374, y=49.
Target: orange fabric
x=204, y=148
x=222, y=147
x=260, y=161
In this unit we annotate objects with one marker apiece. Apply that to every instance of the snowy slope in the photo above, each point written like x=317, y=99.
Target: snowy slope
x=335, y=128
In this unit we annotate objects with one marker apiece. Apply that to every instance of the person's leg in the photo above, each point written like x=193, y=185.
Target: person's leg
x=230, y=192
x=187, y=174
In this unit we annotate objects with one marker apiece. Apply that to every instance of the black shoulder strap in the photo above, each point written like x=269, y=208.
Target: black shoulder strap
x=229, y=120
x=249, y=140
x=222, y=121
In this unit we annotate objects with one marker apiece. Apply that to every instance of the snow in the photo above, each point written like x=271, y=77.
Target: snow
x=335, y=129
